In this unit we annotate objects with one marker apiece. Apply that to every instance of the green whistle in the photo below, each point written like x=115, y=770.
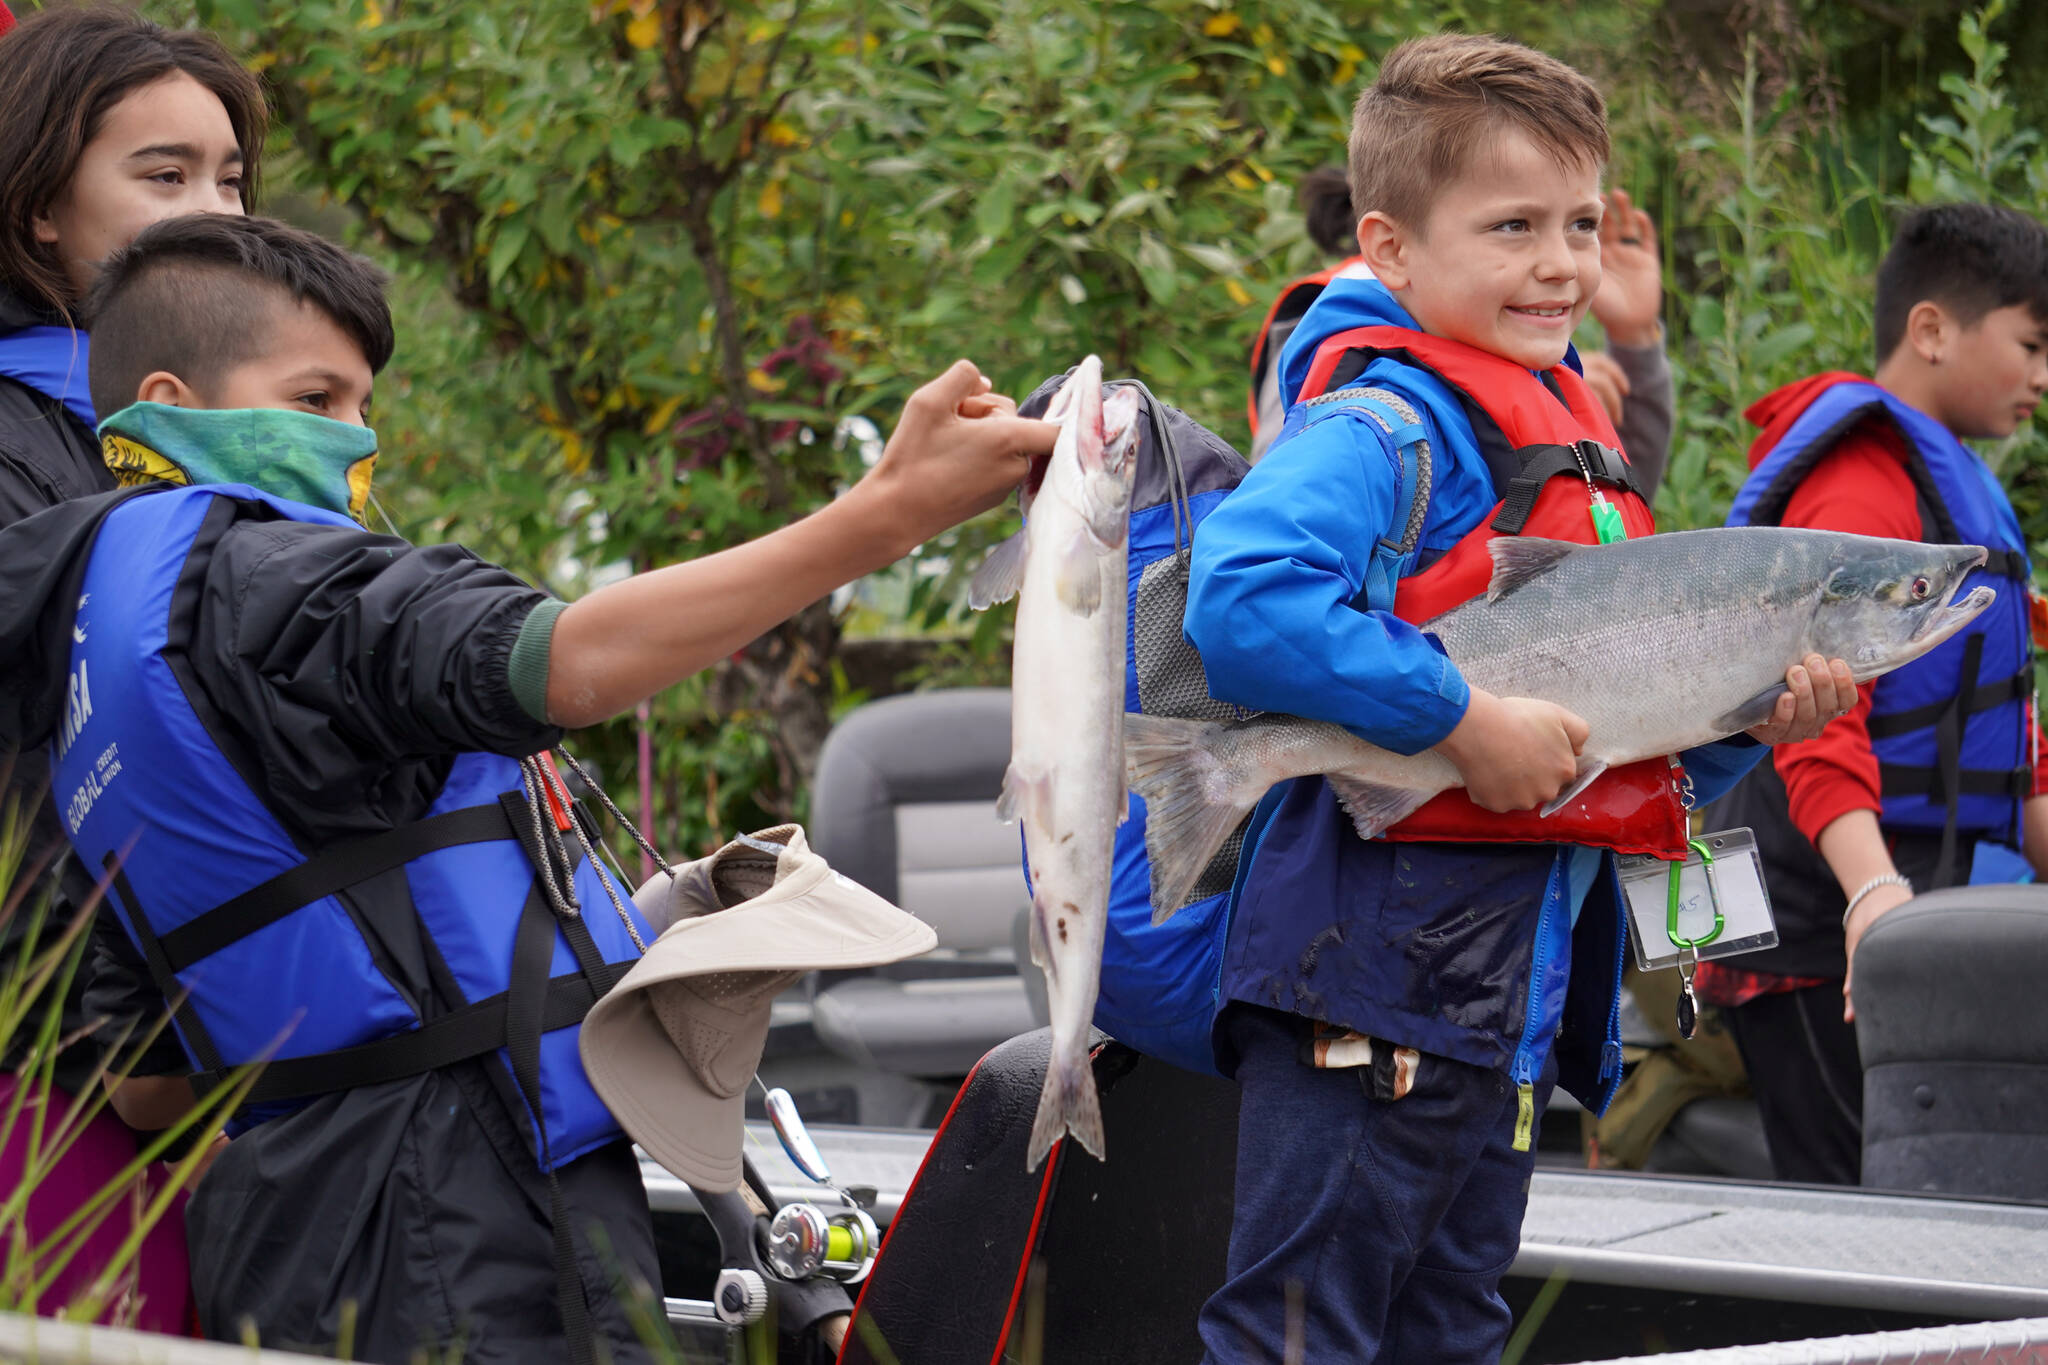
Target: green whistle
x=1607, y=521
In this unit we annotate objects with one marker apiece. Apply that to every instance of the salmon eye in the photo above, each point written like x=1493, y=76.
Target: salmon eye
x=1921, y=587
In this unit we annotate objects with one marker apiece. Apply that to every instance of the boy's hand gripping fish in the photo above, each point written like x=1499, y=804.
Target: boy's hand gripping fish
x=1069, y=566
x=1659, y=644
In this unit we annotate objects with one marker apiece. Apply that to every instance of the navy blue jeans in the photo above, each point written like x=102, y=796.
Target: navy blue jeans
x=1368, y=1230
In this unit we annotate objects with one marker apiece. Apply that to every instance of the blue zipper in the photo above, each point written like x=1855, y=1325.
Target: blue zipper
x=1522, y=1069
x=1610, y=1047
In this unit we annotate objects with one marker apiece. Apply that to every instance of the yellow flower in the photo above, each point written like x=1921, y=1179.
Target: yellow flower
x=1277, y=64
x=1238, y=178
x=1222, y=25
x=645, y=31
x=373, y=15
x=771, y=200
x=1237, y=292
x=781, y=133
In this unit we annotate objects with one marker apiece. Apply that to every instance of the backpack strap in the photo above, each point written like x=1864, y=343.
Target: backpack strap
x=1403, y=425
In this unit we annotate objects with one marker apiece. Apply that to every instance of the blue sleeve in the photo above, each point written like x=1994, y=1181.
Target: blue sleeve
x=1275, y=569
x=1716, y=767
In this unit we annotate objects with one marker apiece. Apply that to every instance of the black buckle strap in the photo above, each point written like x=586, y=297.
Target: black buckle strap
x=176, y=998
x=2008, y=564
x=326, y=873
x=533, y=948
x=1987, y=697
x=1542, y=463
x=1902, y=779
x=470, y=1031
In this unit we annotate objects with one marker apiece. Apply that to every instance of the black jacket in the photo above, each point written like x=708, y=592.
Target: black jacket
x=46, y=456
x=347, y=671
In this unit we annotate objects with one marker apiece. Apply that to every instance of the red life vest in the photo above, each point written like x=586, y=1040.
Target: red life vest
x=1528, y=429
x=1294, y=300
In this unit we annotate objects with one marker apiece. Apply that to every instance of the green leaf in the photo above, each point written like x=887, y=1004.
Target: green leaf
x=1156, y=269
x=1781, y=343
x=1220, y=259
x=992, y=211
x=505, y=248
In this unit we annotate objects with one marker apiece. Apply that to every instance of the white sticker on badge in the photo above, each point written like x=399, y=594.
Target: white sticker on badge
x=1721, y=907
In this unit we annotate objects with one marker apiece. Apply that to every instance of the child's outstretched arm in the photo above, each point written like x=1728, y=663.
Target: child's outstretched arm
x=957, y=451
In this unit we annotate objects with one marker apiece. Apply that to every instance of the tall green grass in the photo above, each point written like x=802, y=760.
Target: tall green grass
x=47, y=955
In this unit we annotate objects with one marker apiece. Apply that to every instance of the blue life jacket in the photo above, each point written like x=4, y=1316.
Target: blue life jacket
x=267, y=942
x=52, y=361
x=1951, y=730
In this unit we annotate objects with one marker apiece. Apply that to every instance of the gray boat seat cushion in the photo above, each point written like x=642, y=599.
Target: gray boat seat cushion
x=904, y=804
x=1955, y=1043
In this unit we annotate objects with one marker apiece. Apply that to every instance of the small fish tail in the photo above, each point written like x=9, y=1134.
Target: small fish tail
x=1067, y=1105
x=1191, y=802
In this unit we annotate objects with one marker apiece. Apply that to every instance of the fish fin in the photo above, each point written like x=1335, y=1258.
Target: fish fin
x=1172, y=764
x=1589, y=771
x=1080, y=577
x=1755, y=711
x=1519, y=559
x=1040, y=953
x=999, y=576
x=1067, y=1104
x=1027, y=797
x=1375, y=809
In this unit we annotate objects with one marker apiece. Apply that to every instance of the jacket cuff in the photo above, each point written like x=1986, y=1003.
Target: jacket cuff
x=526, y=668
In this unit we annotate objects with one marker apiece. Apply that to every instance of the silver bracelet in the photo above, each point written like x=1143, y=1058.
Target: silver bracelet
x=1888, y=879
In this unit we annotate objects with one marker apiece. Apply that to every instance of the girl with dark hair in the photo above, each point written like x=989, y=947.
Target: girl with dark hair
x=113, y=123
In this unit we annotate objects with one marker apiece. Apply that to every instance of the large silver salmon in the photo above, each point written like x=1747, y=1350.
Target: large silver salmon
x=1066, y=775
x=1659, y=644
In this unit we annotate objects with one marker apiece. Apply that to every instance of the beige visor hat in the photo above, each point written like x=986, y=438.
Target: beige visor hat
x=673, y=1046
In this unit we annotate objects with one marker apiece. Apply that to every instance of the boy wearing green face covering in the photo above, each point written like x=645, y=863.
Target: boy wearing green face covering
x=301, y=753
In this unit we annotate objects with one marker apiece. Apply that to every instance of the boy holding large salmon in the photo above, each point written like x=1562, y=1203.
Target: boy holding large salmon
x=1389, y=1006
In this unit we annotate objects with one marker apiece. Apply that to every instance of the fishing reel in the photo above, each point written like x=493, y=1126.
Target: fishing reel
x=804, y=1240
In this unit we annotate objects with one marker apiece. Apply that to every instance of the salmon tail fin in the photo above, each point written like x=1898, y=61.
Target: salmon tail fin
x=1067, y=1104
x=1375, y=809
x=1192, y=802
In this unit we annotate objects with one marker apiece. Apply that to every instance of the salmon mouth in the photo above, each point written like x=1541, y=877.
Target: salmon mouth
x=1946, y=620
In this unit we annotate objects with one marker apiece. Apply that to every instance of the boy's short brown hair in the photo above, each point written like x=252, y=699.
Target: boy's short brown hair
x=1440, y=99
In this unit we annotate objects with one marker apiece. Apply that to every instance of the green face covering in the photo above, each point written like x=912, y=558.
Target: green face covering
x=290, y=454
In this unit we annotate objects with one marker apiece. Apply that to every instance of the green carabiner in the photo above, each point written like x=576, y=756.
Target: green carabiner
x=1713, y=898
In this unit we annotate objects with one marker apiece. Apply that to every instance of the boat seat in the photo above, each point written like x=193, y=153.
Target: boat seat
x=904, y=804
x=1955, y=1044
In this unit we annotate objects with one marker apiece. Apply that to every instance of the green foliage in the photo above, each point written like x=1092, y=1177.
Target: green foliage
x=651, y=257
x=1787, y=250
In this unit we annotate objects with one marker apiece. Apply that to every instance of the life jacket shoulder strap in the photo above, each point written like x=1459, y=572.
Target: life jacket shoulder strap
x=1395, y=416
x=1541, y=463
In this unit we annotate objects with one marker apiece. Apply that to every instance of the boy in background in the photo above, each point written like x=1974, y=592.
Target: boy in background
x=1396, y=1011
x=1937, y=755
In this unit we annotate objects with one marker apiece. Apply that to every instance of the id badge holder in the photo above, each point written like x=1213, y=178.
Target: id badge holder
x=1713, y=905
